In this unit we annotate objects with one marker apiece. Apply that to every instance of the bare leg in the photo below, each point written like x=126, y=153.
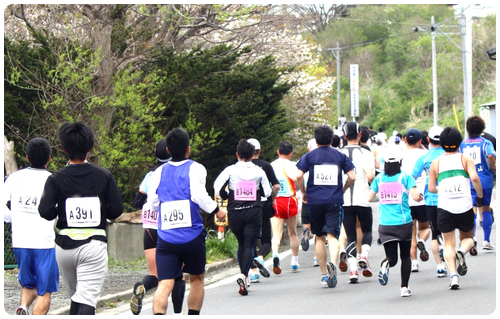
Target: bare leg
x=42, y=304
x=292, y=233
x=28, y=296
x=197, y=293
x=321, y=253
x=277, y=226
x=334, y=247
x=160, y=298
x=449, y=251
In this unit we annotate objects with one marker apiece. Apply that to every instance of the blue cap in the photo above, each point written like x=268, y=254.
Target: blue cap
x=413, y=135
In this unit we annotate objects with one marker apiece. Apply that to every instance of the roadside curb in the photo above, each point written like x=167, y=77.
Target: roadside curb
x=127, y=294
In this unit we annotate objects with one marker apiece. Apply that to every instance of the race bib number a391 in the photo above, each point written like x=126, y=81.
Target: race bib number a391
x=83, y=212
x=326, y=175
x=175, y=214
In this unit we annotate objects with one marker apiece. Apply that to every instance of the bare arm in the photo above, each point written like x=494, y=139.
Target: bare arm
x=474, y=178
x=371, y=195
x=350, y=180
x=415, y=194
x=433, y=175
x=300, y=184
x=492, y=163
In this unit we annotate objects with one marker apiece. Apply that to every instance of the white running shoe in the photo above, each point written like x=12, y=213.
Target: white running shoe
x=315, y=262
x=454, y=282
x=405, y=292
x=488, y=246
x=414, y=267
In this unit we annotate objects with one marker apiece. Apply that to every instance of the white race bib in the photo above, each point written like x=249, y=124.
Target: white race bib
x=28, y=203
x=83, y=211
x=473, y=152
x=175, y=214
x=453, y=187
x=326, y=175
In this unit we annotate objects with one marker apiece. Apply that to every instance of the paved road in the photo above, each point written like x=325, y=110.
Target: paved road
x=301, y=293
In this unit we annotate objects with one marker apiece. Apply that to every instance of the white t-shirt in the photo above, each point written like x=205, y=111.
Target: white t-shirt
x=24, y=190
x=410, y=157
x=363, y=161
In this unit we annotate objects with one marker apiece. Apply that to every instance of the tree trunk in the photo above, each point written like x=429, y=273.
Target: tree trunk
x=9, y=157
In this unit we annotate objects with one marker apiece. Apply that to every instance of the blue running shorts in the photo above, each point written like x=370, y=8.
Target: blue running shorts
x=38, y=268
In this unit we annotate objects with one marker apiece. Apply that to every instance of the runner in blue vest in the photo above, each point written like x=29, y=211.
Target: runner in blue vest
x=177, y=190
x=483, y=154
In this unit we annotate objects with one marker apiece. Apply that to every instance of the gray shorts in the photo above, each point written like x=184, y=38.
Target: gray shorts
x=83, y=270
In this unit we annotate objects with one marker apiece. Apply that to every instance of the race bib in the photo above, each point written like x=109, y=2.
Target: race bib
x=453, y=187
x=391, y=193
x=326, y=175
x=473, y=152
x=175, y=214
x=28, y=203
x=245, y=191
x=284, y=189
x=149, y=217
x=83, y=212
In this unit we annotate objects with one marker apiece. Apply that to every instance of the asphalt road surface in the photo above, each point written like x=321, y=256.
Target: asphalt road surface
x=301, y=293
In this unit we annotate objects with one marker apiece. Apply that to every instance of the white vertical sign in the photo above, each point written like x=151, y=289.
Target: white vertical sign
x=353, y=74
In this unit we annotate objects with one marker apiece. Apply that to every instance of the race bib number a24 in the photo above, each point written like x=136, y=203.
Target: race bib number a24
x=175, y=214
x=83, y=212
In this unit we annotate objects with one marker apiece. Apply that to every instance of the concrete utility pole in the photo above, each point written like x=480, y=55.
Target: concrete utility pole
x=467, y=64
x=434, y=72
x=338, y=80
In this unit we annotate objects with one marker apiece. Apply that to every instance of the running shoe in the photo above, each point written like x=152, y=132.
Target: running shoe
x=332, y=275
x=473, y=250
x=424, y=255
x=243, y=285
x=363, y=263
x=324, y=279
x=306, y=233
x=276, y=265
x=295, y=267
x=383, y=274
x=442, y=271
x=248, y=281
x=326, y=241
x=262, y=268
x=405, y=292
x=136, y=300
x=22, y=311
x=488, y=246
x=255, y=278
x=454, y=282
x=343, y=262
x=414, y=267
x=462, y=266
x=353, y=277
x=315, y=262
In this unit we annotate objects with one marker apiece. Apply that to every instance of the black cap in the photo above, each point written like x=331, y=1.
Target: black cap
x=351, y=128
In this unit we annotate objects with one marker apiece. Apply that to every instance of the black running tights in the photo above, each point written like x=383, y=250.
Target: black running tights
x=391, y=252
x=365, y=216
x=245, y=225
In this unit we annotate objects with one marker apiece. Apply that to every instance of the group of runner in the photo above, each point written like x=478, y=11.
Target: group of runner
x=336, y=185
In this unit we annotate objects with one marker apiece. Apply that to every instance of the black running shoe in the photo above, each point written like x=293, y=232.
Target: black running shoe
x=276, y=265
x=136, y=301
x=424, y=255
x=462, y=266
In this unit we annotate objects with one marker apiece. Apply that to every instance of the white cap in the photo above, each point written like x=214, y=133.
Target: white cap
x=393, y=154
x=312, y=145
x=435, y=132
x=255, y=143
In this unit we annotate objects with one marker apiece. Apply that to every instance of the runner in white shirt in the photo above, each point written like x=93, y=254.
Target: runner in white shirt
x=32, y=236
x=415, y=150
x=356, y=205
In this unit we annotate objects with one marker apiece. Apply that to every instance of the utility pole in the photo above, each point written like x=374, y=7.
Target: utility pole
x=467, y=64
x=337, y=57
x=434, y=72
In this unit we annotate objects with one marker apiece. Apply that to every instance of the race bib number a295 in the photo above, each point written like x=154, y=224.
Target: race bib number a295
x=175, y=214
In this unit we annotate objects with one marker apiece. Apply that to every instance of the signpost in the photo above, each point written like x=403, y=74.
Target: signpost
x=353, y=75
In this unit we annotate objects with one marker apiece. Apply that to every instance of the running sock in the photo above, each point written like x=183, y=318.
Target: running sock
x=193, y=312
x=365, y=250
x=178, y=294
x=149, y=282
x=475, y=217
x=487, y=222
x=295, y=260
x=353, y=265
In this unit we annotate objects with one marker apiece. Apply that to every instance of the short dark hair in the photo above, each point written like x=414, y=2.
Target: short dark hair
x=245, y=150
x=450, y=139
x=38, y=151
x=475, y=126
x=425, y=134
x=77, y=139
x=161, y=150
x=323, y=134
x=177, y=143
x=285, y=148
x=365, y=134
x=391, y=169
x=380, y=129
x=336, y=141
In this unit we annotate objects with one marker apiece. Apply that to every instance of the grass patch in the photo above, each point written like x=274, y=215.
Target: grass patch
x=127, y=265
x=221, y=249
